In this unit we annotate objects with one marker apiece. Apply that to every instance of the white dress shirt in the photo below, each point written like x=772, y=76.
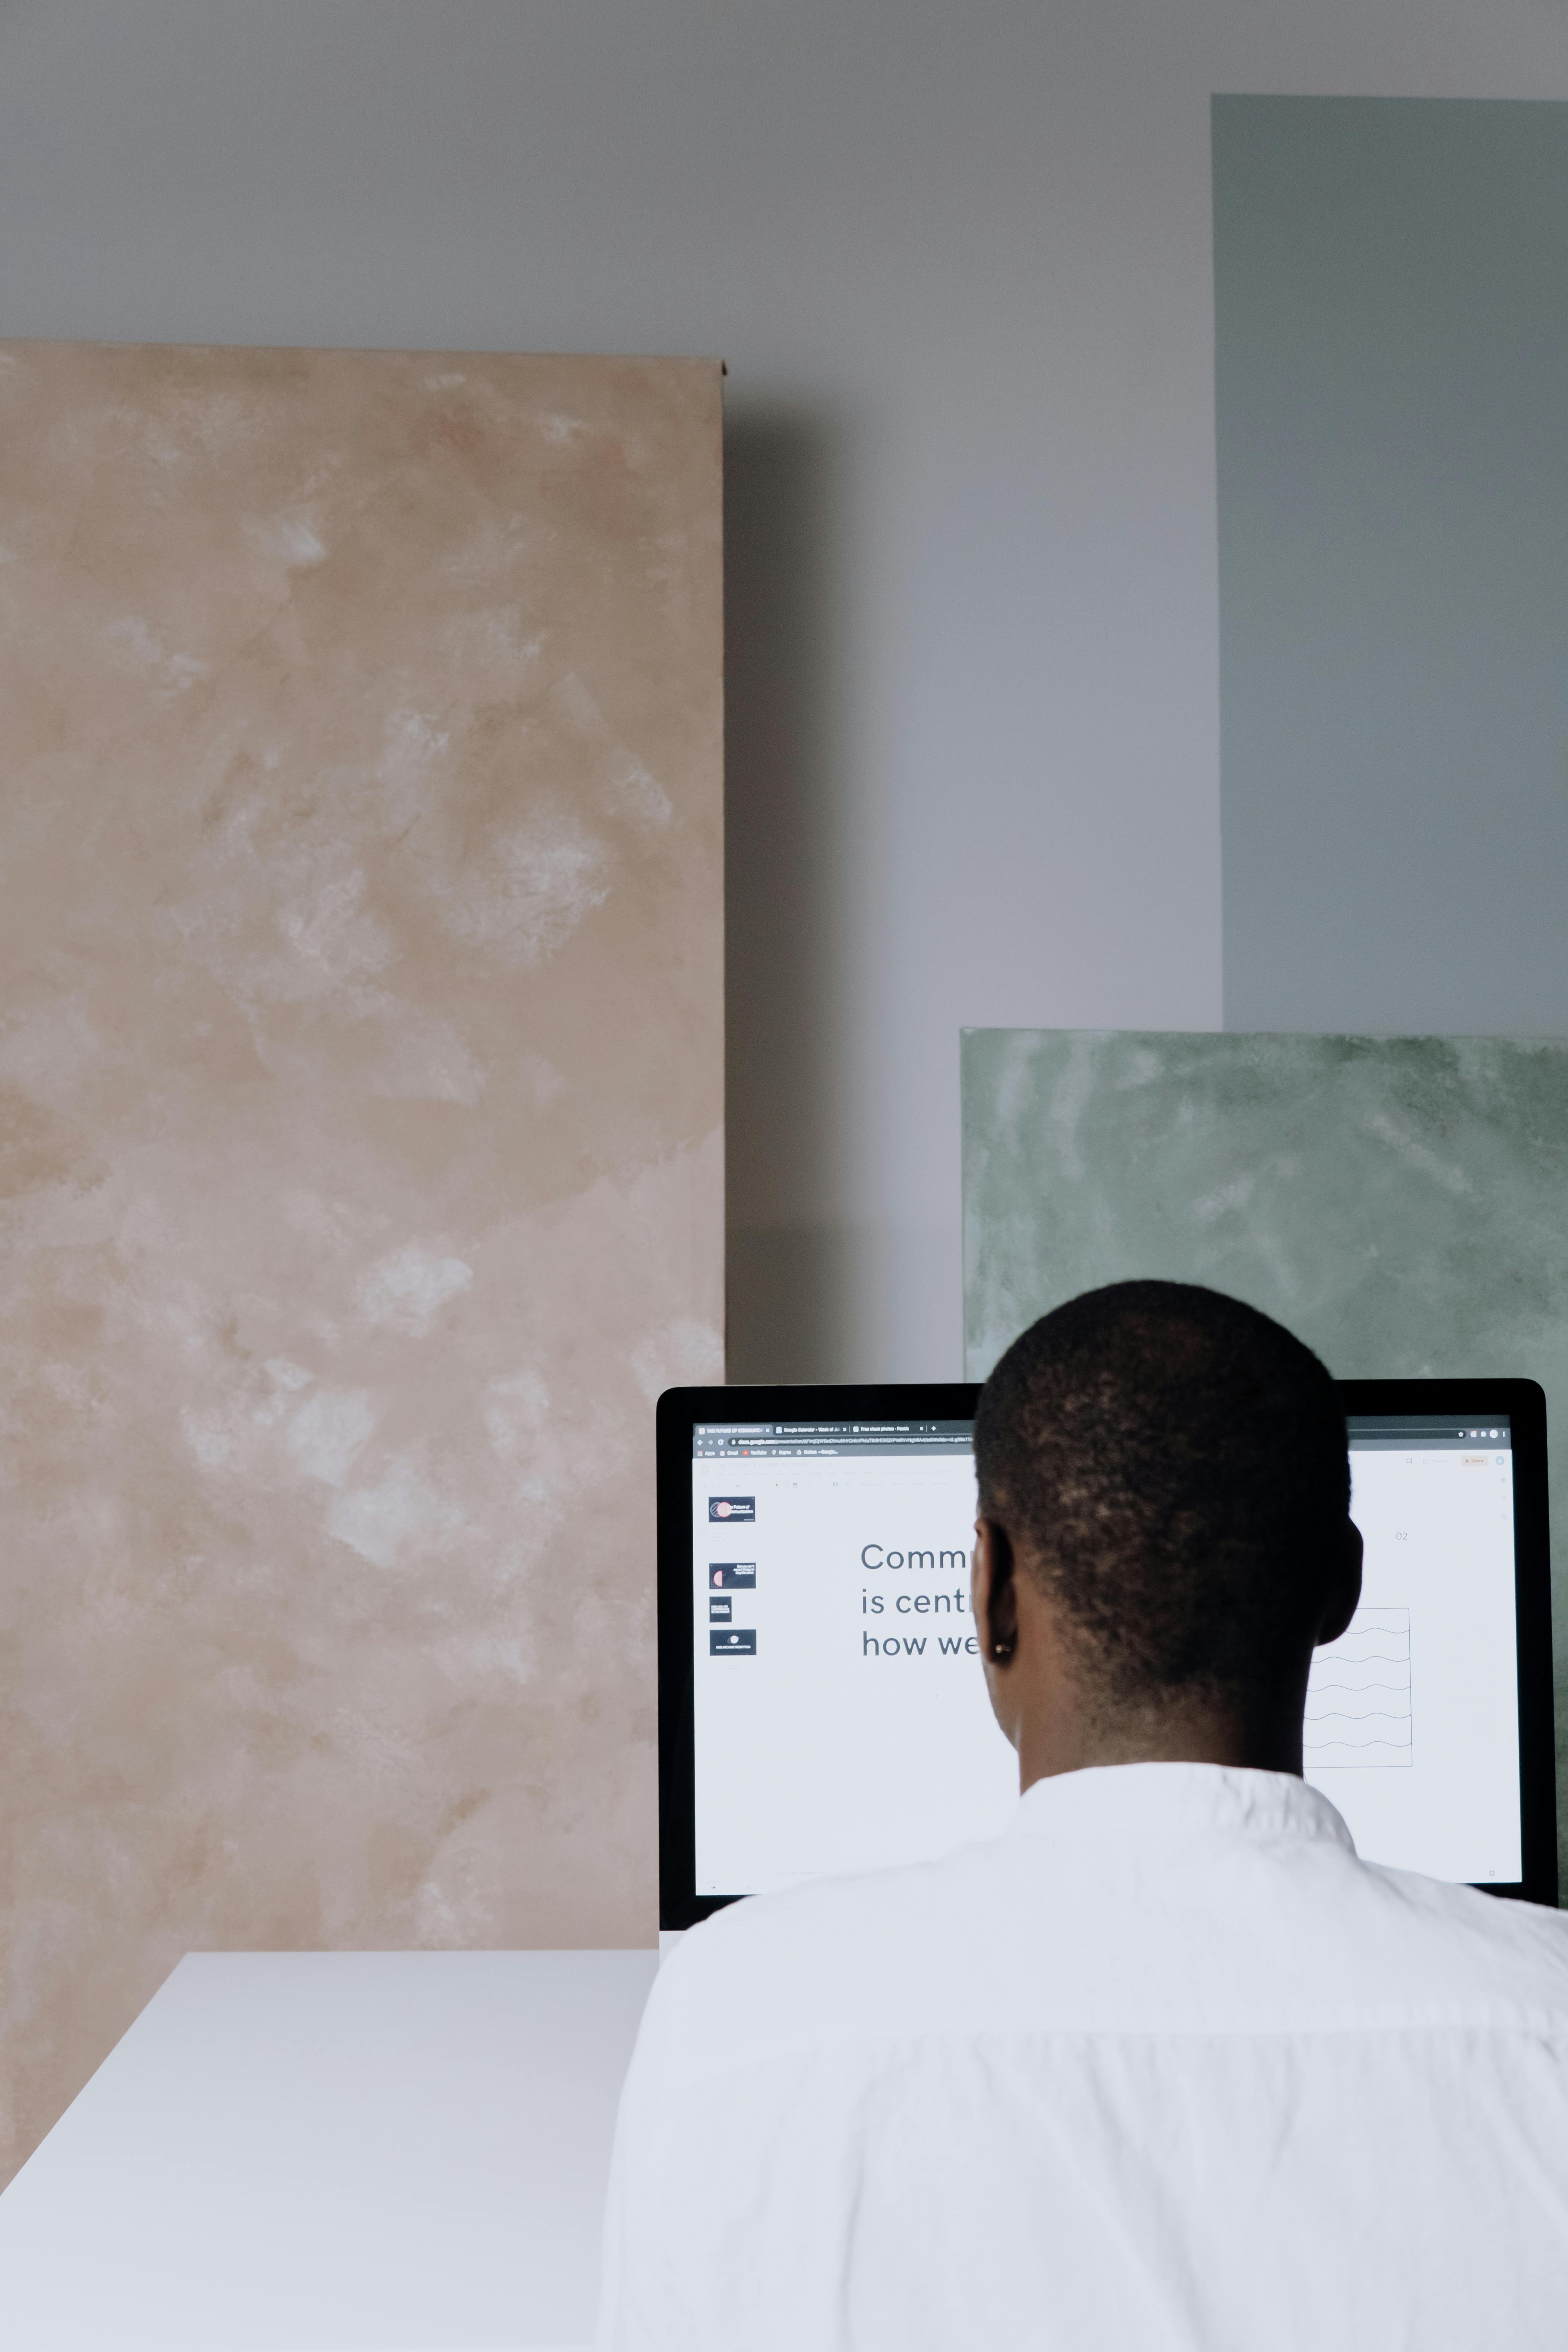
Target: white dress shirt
x=1166, y=2066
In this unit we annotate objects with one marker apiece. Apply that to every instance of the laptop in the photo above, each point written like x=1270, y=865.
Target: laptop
x=822, y=1708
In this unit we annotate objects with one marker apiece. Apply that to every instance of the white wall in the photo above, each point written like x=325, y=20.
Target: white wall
x=958, y=260
x=1393, y=388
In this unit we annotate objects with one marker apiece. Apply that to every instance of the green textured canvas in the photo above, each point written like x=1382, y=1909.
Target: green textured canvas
x=1402, y=1203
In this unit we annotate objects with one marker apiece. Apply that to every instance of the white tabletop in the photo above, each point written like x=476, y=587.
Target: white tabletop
x=334, y=2152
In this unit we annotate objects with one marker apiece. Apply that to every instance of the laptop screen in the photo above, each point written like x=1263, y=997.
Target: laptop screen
x=839, y=1719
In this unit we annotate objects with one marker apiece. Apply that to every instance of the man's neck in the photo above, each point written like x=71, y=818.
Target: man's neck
x=1051, y=1698
x=1071, y=1736
x=1065, y=1721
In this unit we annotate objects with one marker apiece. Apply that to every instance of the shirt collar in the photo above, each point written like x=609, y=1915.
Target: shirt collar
x=1166, y=1804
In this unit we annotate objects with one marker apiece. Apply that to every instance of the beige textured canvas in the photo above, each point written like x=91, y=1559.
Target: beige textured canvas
x=360, y=1149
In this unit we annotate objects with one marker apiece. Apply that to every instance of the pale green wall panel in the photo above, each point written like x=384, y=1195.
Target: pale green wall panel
x=1402, y=1203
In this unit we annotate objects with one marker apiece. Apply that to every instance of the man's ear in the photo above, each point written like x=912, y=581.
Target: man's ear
x=994, y=1592
x=1344, y=1590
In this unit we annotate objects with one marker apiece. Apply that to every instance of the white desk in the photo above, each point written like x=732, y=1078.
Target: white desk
x=334, y=2152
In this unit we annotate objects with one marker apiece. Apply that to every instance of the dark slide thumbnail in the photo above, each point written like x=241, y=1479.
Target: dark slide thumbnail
x=732, y=1646
x=733, y=1576
x=720, y=1612
x=731, y=1507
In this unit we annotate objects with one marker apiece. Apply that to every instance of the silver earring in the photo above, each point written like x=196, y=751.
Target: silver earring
x=1001, y=1651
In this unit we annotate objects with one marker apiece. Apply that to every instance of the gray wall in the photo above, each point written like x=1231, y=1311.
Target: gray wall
x=959, y=260
x=1392, y=394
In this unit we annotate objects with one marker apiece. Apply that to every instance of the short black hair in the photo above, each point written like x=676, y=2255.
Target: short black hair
x=1171, y=1465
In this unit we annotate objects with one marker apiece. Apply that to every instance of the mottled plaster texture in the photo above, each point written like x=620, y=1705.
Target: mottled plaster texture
x=1400, y=1201
x=361, y=1067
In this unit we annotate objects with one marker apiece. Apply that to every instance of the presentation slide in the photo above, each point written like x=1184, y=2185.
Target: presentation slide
x=840, y=1719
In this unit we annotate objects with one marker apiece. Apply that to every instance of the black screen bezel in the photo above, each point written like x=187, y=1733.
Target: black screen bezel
x=1523, y=1401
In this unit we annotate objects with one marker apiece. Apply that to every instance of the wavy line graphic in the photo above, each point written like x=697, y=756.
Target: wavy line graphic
x=1338, y=1649
x=1402, y=1745
x=1372, y=1715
